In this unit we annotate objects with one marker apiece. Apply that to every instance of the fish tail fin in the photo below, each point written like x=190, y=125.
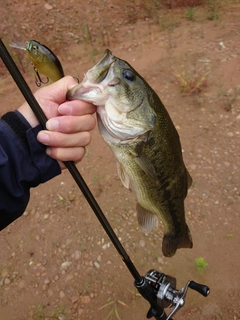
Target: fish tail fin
x=147, y=220
x=172, y=242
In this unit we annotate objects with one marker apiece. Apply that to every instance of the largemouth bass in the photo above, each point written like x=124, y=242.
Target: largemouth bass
x=136, y=126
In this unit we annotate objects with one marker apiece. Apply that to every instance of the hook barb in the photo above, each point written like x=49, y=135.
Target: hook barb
x=38, y=79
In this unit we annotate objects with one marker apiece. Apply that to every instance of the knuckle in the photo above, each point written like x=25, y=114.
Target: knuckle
x=87, y=138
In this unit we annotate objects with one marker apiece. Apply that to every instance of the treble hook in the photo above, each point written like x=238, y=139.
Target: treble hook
x=38, y=79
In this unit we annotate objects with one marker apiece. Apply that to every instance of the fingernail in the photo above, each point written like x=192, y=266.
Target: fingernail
x=52, y=124
x=43, y=138
x=65, y=109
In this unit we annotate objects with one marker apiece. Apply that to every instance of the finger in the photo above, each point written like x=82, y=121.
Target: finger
x=55, y=92
x=62, y=140
x=66, y=154
x=76, y=108
x=70, y=124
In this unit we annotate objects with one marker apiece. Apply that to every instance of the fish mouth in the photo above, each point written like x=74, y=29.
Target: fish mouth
x=98, y=73
x=95, y=80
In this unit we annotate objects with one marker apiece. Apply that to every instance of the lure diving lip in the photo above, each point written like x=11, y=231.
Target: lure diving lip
x=18, y=45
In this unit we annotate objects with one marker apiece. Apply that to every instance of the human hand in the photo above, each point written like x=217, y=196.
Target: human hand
x=69, y=124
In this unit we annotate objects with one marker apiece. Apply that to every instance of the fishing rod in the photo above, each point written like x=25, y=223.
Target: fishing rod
x=156, y=287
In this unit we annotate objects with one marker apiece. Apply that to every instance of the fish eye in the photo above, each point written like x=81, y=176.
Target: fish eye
x=35, y=48
x=129, y=75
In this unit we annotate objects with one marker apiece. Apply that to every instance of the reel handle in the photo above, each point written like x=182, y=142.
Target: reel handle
x=200, y=288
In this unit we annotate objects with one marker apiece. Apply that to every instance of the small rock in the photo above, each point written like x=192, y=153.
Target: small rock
x=44, y=287
x=74, y=299
x=21, y=284
x=80, y=311
x=85, y=299
x=65, y=265
x=5, y=273
x=50, y=292
x=46, y=216
x=160, y=260
x=71, y=196
x=96, y=264
x=142, y=243
x=46, y=281
x=47, y=6
x=77, y=255
x=221, y=45
x=7, y=281
x=61, y=294
x=105, y=246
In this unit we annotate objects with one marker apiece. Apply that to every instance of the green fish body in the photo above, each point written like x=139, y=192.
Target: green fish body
x=136, y=126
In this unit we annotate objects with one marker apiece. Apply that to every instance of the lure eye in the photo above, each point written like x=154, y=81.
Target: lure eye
x=128, y=75
x=35, y=48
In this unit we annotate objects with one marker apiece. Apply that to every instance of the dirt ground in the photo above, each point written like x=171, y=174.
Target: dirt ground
x=56, y=260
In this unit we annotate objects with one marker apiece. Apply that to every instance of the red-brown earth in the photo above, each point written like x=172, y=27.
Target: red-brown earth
x=56, y=260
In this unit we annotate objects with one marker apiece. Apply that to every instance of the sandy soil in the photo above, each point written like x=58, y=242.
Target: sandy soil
x=56, y=260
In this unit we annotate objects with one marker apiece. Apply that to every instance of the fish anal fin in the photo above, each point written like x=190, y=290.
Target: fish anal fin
x=147, y=220
x=172, y=242
x=123, y=175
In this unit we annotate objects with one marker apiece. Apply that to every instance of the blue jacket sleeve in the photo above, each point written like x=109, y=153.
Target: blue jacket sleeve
x=23, y=165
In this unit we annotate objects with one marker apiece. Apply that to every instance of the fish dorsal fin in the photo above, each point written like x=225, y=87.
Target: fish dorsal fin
x=123, y=175
x=146, y=219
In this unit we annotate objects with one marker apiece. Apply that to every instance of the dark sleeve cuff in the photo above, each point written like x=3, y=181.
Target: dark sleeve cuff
x=46, y=166
x=18, y=124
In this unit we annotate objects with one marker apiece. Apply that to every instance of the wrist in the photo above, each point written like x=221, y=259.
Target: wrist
x=28, y=114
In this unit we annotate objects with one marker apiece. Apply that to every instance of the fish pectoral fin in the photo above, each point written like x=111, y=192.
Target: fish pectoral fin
x=123, y=175
x=146, y=165
x=146, y=219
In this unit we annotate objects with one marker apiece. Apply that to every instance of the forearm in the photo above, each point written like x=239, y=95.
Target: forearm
x=23, y=165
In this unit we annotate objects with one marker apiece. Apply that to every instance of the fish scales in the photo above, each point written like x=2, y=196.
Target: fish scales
x=135, y=124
